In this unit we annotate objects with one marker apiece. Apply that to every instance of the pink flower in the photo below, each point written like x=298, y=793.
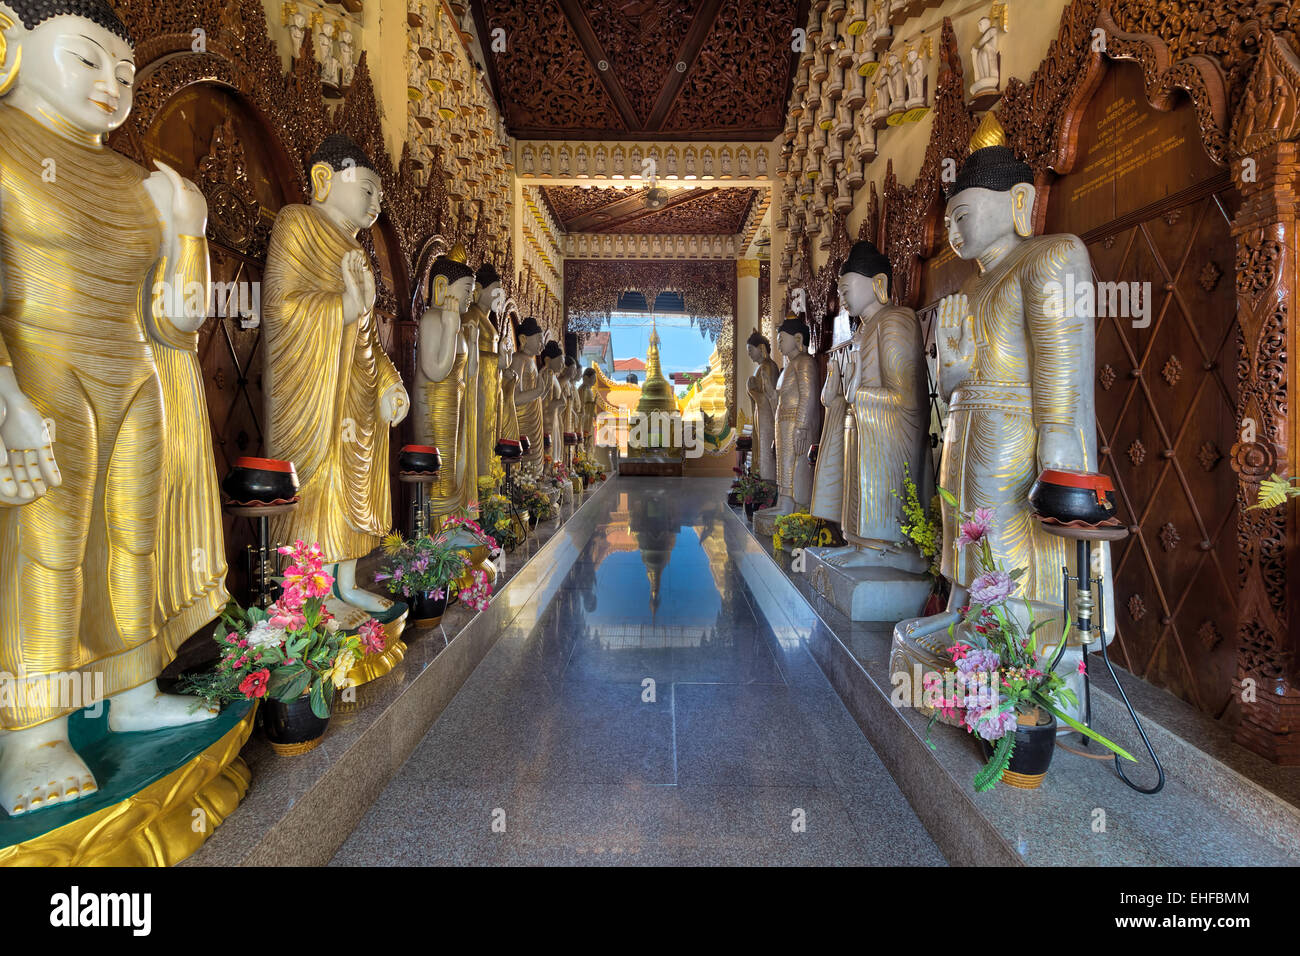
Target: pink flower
x=993, y=587
x=288, y=617
x=372, y=636
x=1083, y=666
x=977, y=528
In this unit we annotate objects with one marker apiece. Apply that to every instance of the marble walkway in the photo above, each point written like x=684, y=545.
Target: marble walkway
x=642, y=710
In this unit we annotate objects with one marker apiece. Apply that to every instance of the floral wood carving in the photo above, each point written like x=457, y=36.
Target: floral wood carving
x=592, y=288
x=234, y=216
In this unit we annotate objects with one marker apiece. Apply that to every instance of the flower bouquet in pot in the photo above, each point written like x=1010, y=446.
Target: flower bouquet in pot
x=755, y=493
x=799, y=530
x=507, y=528
x=1001, y=687
x=292, y=656
x=474, y=586
x=422, y=571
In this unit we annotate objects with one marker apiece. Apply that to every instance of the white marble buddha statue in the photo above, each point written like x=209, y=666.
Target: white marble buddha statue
x=590, y=406
x=107, y=484
x=554, y=406
x=1016, y=368
x=797, y=398
x=331, y=392
x=529, y=385
x=442, y=382
x=761, y=387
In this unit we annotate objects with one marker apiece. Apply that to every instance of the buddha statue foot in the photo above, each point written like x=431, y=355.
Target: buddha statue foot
x=347, y=590
x=765, y=518
x=873, y=556
x=887, y=589
x=147, y=708
x=39, y=768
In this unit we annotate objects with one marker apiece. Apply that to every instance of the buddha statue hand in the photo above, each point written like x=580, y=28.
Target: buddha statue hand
x=358, y=286
x=956, y=340
x=1061, y=446
x=181, y=206
x=394, y=405
x=27, y=466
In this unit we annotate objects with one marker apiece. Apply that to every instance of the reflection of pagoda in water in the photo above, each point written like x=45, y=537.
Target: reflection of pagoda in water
x=655, y=530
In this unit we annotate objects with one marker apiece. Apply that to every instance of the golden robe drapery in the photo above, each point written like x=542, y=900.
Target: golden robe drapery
x=324, y=383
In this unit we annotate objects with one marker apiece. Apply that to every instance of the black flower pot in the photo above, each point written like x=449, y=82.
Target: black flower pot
x=291, y=727
x=745, y=443
x=749, y=511
x=733, y=500
x=1032, y=754
x=1073, y=496
x=427, y=611
x=586, y=481
x=419, y=460
x=532, y=518
x=261, y=481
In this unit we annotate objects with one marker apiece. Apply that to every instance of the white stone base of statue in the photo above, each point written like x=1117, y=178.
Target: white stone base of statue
x=765, y=519
x=868, y=592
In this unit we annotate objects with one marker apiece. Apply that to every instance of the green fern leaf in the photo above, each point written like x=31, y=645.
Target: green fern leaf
x=988, y=778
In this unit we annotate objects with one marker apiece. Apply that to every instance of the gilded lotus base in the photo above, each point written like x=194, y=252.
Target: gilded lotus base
x=156, y=826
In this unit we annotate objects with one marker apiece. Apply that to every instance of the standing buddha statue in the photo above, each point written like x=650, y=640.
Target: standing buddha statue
x=111, y=555
x=1016, y=368
x=553, y=403
x=441, y=386
x=878, y=576
x=589, y=405
x=530, y=385
x=484, y=314
x=798, y=420
x=761, y=385
x=332, y=394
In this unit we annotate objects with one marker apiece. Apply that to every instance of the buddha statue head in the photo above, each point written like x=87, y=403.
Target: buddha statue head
x=69, y=64
x=345, y=185
x=553, y=356
x=588, y=377
x=451, y=282
x=490, y=293
x=758, y=347
x=864, y=279
x=991, y=202
x=531, y=337
x=792, y=337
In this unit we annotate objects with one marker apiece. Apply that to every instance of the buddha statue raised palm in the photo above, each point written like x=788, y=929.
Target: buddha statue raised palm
x=331, y=392
x=442, y=385
x=797, y=398
x=554, y=406
x=878, y=575
x=1016, y=368
x=111, y=550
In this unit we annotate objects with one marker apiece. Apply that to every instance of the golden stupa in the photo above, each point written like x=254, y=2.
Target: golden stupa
x=657, y=408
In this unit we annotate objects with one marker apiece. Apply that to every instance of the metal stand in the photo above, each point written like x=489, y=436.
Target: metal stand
x=1089, y=620
x=510, y=497
x=420, y=508
x=259, y=557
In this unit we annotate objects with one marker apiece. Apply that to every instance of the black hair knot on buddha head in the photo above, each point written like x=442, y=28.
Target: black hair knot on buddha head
x=866, y=260
x=33, y=13
x=338, y=152
x=991, y=167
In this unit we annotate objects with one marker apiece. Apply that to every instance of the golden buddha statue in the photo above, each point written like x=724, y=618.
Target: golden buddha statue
x=442, y=389
x=332, y=394
x=1016, y=368
x=798, y=420
x=483, y=315
x=530, y=383
x=881, y=420
x=111, y=554
x=508, y=417
x=760, y=386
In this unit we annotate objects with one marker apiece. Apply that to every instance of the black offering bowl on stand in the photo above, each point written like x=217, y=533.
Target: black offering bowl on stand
x=259, y=488
x=511, y=452
x=1080, y=506
x=525, y=444
x=419, y=465
x=812, y=454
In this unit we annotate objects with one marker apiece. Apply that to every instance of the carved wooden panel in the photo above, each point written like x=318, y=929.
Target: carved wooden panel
x=1166, y=400
x=684, y=69
x=702, y=211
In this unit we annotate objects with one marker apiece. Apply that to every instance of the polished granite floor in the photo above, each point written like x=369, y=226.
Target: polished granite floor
x=642, y=710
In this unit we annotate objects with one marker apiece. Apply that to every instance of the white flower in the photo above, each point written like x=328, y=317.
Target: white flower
x=264, y=635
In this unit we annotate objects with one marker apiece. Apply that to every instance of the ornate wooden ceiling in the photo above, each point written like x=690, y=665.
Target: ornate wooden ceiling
x=704, y=211
x=649, y=69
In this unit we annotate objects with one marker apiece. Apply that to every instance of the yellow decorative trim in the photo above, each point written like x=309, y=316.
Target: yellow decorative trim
x=988, y=133
x=292, y=750
x=374, y=666
x=1023, y=781
x=155, y=827
x=747, y=268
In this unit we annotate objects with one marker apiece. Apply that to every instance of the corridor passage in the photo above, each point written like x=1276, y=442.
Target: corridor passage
x=648, y=706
